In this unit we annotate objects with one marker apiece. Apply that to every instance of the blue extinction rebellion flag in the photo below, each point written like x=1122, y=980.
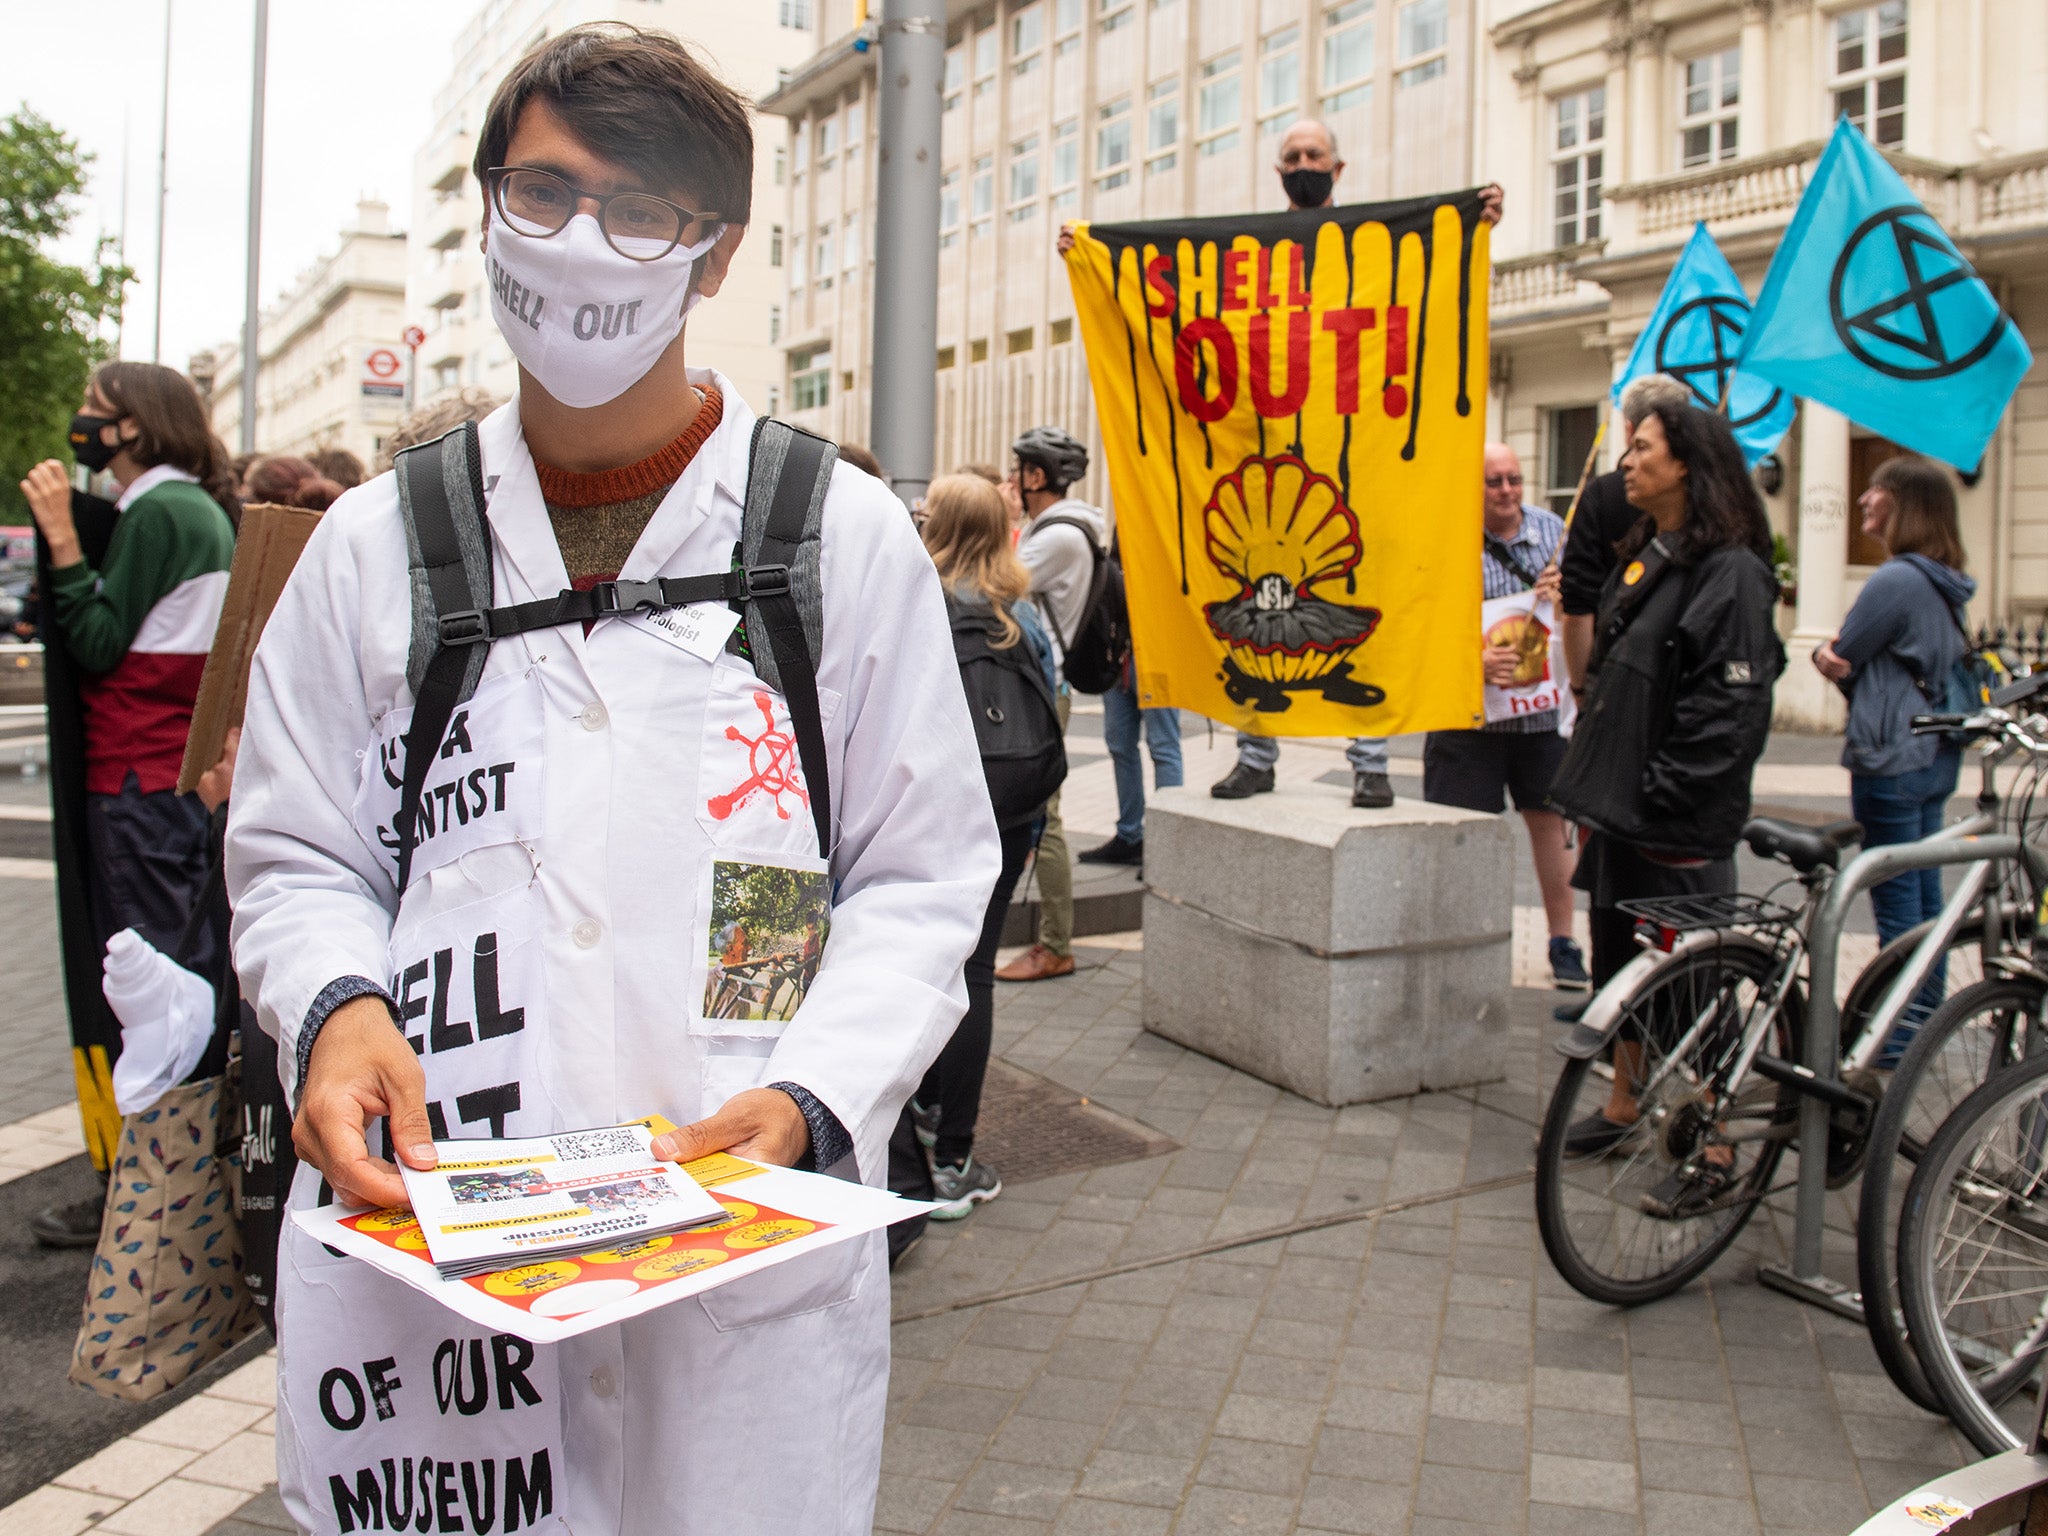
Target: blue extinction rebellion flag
x=1871, y=309
x=1695, y=335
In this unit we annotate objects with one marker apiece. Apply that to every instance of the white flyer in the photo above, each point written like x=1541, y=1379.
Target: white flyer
x=770, y=1215
x=1511, y=621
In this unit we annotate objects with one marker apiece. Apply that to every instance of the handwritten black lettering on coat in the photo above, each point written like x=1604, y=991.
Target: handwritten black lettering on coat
x=445, y=1496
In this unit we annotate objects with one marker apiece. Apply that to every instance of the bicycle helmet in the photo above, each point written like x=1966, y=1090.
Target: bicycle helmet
x=1062, y=458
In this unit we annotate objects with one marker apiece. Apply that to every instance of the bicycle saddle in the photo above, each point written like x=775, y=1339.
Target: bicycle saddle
x=1804, y=847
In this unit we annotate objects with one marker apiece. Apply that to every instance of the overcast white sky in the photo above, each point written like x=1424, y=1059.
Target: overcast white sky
x=349, y=99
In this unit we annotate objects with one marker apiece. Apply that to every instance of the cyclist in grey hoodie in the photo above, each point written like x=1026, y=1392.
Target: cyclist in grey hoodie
x=1892, y=658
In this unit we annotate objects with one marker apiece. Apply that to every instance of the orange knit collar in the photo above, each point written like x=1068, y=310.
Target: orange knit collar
x=657, y=472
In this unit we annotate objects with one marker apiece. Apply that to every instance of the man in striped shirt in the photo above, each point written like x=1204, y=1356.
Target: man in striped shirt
x=1519, y=756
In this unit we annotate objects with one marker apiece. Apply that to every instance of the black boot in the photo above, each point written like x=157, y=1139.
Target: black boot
x=1242, y=782
x=1116, y=851
x=1371, y=791
x=76, y=1225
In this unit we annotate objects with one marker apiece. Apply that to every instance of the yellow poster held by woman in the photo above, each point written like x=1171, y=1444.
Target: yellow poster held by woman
x=1293, y=406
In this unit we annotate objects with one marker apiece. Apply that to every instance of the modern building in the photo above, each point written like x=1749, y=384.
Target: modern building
x=747, y=41
x=1084, y=109
x=1616, y=126
x=331, y=356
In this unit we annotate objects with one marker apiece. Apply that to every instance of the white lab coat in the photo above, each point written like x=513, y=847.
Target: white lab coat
x=550, y=959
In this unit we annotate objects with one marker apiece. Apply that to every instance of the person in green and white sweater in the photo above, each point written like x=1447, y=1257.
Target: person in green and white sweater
x=139, y=627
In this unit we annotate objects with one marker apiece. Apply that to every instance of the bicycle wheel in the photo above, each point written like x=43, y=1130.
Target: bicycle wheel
x=1977, y=1031
x=1962, y=966
x=1687, y=1023
x=1973, y=1252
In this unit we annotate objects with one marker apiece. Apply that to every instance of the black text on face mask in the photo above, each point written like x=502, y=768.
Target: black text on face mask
x=519, y=300
x=607, y=319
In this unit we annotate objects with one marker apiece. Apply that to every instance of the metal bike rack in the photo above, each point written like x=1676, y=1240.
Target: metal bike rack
x=1966, y=842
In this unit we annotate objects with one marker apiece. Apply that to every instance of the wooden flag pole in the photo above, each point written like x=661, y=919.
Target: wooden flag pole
x=1585, y=473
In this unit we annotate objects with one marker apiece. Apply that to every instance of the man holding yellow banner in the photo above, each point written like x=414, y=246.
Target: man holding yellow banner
x=1293, y=410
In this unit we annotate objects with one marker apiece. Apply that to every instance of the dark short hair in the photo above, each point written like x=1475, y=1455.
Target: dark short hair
x=171, y=425
x=1722, y=505
x=1923, y=520
x=639, y=99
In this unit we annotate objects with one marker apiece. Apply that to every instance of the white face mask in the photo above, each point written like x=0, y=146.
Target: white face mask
x=582, y=319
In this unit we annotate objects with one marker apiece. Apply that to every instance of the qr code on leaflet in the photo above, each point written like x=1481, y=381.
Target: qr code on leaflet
x=595, y=1144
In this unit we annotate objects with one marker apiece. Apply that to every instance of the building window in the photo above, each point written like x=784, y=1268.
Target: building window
x=1279, y=78
x=828, y=141
x=1116, y=13
x=781, y=164
x=1066, y=17
x=774, y=245
x=1162, y=125
x=949, y=209
x=774, y=399
x=977, y=351
x=1027, y=37
x=447, y=375
x=982, y=195
x=800, y=142
x=1568, y=440
x=849, y=243
x=1017, y=341
x=1422, y=41
x=1059, y=333
x=1113, y=144
x=794, y=13
x=821, y=266
x=796, y=263
x=856, y=130
x=1706, y=109
x=1869, y=85
x=1347, y=56
x=956, y=76
x=985, y=50
x=1577, y=165
x=774, y=323
x=1024, y=170
x=947, y=356
x=1220, y=106
x=810, y=378
x=1066, y=165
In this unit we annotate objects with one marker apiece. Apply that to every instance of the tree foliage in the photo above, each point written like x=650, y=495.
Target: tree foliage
x=772, y=903
x=50, y=314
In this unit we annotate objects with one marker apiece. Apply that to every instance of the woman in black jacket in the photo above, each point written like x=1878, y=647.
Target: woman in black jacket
x=1677, y=702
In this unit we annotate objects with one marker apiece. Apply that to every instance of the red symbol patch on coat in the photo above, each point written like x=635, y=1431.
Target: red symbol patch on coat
x=772, y=767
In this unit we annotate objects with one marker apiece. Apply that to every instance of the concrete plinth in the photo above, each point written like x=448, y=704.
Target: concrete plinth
x=1341, y=954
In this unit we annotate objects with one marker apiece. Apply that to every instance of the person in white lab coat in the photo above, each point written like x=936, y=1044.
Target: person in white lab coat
x=546, y=967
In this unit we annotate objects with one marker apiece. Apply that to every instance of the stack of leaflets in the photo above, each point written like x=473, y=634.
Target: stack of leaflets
x=490, y=1204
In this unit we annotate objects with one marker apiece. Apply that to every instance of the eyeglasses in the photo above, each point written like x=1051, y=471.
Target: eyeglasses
x=637, y=226
x=1502, y=482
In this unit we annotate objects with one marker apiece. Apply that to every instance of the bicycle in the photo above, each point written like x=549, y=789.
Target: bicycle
x=1687, y=1024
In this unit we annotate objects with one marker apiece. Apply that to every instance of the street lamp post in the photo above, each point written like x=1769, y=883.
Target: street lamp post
x=906, y=310
x=163, y=168
x=249, y=287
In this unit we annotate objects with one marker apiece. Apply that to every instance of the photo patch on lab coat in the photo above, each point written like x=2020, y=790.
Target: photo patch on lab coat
x=750, y=780
x=483, y=787
x=766, y=940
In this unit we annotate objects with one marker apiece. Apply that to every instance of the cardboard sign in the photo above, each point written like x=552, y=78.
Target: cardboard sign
x=266, y=548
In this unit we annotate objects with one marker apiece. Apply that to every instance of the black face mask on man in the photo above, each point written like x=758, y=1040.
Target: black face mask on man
x=87, y=446
x=1308, y=189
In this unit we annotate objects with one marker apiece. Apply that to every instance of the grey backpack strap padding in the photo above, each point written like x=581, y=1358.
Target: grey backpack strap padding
x=441, y=499
x=788, y=474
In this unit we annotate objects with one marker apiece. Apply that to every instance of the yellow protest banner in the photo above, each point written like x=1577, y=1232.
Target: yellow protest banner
x=1293, y=407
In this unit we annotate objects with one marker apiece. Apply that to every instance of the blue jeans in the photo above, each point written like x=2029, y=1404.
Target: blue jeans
x=1366, y=754
x=1903, y=808
x=1121, y=718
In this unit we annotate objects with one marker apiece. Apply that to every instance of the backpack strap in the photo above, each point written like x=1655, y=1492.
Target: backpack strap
x=788, y=473
x=441, y=498
x=1509, y=561
x=1098, y=574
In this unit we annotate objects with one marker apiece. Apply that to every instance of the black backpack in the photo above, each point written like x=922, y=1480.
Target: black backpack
x=1016, y=721
x=1095, y=653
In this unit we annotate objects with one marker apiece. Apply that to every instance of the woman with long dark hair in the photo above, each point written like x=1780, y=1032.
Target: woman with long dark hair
x=1902, y=637
x=138, y=628
x=1677, y=712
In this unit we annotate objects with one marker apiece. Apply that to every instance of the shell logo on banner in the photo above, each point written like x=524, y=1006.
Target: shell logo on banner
x=1293, y=412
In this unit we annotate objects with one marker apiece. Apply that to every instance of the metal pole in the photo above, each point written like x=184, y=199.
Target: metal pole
x=163, y=166
x=253, y=259
x=906, y=306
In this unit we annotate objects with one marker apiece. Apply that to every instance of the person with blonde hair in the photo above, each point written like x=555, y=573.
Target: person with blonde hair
x=967, y=531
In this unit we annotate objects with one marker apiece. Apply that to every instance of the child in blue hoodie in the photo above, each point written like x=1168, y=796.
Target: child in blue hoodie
x=1892, y=658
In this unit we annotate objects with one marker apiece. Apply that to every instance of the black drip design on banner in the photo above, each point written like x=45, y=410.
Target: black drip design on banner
x=1468, y=228
x=1419, y=336
x=1180, y=500
x=1116, y=283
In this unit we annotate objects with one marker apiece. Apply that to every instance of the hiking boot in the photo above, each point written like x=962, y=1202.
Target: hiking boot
x=76, y=1225
x=1568, y=966
x=1117, y=850
x=1241, y=783
x=926, y=1122
x=1687, y=1191
x=1594, y=1136
x=1037, y=964
x=959, y=1190
x=1371, y=791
